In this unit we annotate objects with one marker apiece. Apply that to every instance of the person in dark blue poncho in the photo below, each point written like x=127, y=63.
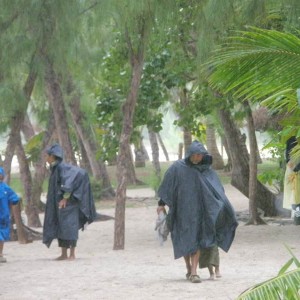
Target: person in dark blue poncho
x=69, y=205
x=7, y=197
x=200, y=216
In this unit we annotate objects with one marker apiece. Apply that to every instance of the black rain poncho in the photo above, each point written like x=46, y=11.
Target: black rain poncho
x=64, y=223
x=200, y=215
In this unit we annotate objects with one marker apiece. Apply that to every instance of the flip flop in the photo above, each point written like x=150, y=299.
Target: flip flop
x=187, y=276
x=195, y=279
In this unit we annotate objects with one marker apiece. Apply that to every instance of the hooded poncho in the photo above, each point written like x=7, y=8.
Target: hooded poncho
x=200, y=215
x=64, y=223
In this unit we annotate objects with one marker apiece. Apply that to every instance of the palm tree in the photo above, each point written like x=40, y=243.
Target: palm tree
x=262, y=66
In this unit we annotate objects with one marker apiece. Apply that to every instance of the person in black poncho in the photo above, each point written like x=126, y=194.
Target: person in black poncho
x=69, y=205
x=200, y=216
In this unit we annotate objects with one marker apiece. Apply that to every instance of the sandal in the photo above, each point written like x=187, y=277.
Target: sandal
x=195, y=279
x=187, y=276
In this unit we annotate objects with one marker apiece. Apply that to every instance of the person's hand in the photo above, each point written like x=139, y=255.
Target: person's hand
x=62, y=203
x=160, y=208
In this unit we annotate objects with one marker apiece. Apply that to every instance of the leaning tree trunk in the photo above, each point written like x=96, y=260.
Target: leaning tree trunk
x=240, y=166
x=254, y=217
x=155, y=154
x=212, y=148
x=187, y=135
x=228, y=165
x=56, y=101
x=136, y=60
x=31, y=209
x=163, y=147
x=130, y=170
x=139, y=152
x=98, y=168
x=40, y=166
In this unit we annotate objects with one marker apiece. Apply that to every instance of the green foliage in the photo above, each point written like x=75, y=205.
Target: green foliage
x=33, y=147
x=272, y=172
x=286, y=285
x=96, y=189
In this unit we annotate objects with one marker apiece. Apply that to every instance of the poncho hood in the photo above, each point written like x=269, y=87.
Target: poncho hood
x=56, y=150
x=196, y=148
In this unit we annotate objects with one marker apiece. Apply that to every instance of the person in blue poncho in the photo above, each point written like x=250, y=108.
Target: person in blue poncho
x=7, y=198
x=69, y=204
x=200, y=216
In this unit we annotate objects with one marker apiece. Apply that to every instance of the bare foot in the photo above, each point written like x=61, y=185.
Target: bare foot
x=217, y=271
x=71, y=257
x=211, y=277
x=2, y=259
x=62, y=257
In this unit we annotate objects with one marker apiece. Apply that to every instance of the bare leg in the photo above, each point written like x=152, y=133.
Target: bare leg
x=187, y=260
x=195, y=261
x=1, y=248
x=2, y=259
x=72, y=253
x=217, y=270
x=211, y=272
x=64, y=254
x=194, y=265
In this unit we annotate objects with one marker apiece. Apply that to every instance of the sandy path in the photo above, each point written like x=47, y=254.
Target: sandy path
x=144, y=270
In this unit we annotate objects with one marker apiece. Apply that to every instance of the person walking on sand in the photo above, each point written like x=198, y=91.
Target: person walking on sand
x=200, y=215
x=7, y=198
x=69, y=204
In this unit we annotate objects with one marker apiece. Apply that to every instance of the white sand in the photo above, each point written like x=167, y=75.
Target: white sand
x=144, y=270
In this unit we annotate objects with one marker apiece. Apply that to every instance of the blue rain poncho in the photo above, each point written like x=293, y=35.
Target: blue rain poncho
x=200, y=215
x=7, y=197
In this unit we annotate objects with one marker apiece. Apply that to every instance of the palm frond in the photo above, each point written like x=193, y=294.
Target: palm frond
x=284, y=286
x=257, y=64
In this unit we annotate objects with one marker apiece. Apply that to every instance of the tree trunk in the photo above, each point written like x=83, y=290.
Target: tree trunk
x=180, y=150
x=136, y=61
x=98, y=168
x=18, y=119
x=155, y=154
x=254, y=217
x=31, y=209
x=130, y=170
x=240, y=166
x=187, y=135
x=83, y=159
x=22, y=236
x=140, y=159
x=27, y=128
x=212, y=148
x=40, y=166
x=163, y=147
x=228, y=165
x=55, y=98
x=144, y=150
